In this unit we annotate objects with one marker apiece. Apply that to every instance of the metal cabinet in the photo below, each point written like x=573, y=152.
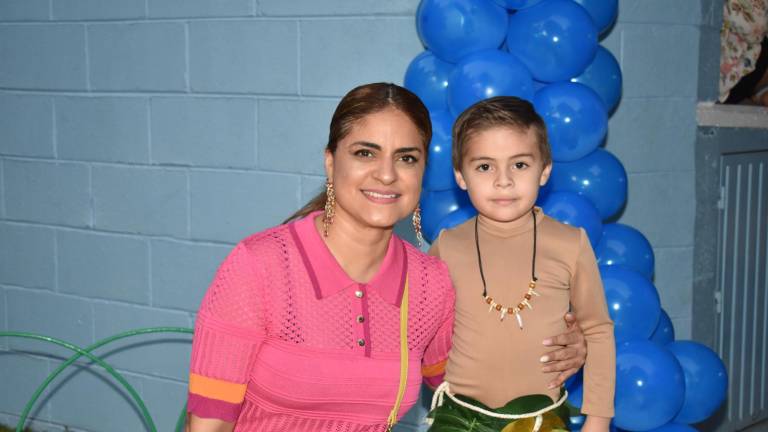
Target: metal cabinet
x=731, y=256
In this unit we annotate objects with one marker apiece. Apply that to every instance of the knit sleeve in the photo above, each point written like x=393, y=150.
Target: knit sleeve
x=436, y=354
x=228, y=333
x=589, y=306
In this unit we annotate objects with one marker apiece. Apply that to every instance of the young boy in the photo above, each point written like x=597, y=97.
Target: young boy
x=516, y=271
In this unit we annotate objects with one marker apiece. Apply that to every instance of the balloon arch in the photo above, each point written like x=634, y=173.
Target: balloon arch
x=548, y=52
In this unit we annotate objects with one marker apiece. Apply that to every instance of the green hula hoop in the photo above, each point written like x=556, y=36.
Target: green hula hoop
x=86, y=352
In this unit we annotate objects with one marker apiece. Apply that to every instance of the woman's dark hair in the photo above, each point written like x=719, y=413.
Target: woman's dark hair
x=360, y=102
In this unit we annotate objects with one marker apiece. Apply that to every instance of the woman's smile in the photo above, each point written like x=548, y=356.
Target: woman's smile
x=381, y=197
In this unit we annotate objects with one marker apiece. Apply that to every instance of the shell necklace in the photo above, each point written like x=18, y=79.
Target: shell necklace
x=525, y=302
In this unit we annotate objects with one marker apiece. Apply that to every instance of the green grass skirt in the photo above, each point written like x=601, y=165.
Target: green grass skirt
x=452, y=417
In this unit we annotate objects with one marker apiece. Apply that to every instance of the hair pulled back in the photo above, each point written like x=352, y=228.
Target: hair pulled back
x=360, y=102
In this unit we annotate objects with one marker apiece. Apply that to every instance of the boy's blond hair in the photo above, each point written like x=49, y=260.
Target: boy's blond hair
x=500, y=111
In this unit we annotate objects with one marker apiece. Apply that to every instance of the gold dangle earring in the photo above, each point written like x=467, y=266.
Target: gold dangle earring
x=417, y=225
x=330, y=206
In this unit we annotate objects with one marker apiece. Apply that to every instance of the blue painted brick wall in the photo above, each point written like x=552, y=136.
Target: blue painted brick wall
x=106, y=129
x=139, y=139
x=52, y=57
x=653, y=134
x=217, y=131
x=26, y=125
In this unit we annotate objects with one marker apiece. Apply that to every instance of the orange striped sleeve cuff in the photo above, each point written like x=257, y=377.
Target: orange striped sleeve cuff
x=217, y=389
x=434, y=370
x=434, y=374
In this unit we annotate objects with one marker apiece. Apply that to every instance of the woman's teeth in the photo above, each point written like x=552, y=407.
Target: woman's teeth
x=378, y=195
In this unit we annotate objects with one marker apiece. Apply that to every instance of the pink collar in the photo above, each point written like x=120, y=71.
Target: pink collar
x=328, y=277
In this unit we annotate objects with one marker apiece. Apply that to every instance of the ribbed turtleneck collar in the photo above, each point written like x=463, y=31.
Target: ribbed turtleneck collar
x=510, y=229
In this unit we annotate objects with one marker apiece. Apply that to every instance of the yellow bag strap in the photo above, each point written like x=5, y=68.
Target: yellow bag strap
x=392, y=419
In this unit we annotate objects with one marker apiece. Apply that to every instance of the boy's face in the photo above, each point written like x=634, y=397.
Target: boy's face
x=502, y=170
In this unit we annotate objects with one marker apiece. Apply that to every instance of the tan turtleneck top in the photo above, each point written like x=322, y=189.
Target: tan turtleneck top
x=495, y=361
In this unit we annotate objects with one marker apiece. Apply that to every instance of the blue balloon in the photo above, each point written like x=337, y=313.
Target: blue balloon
x=576, y=422
x=544, y=192
x=665, y=332
x=487, y=74
x=599, y=177
x=427, y=76
x=603, y=76
x=622, y=245
x=571, y=209
x=454, y=28
x=437, y=205
x=555, y=39
x=603, y=12
x=574, y=380
x=455, y=218
x=575, y=117
x=649, y=386
x=517, y=4
x=439, y=172
x=538, y=85
x=575, y=387
x=633, y=303
x=706, y=380
x=673, y=427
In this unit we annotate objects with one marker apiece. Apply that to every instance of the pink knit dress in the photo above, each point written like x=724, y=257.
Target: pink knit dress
x=286, y=341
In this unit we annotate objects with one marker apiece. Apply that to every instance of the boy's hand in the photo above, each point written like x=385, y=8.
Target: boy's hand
x=572, y=353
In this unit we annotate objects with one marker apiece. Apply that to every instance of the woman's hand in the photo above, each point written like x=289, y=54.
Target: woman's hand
x=570, y=356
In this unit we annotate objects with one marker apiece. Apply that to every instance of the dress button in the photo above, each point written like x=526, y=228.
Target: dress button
x=360, y=318
x=361, y=342
x=359, y=294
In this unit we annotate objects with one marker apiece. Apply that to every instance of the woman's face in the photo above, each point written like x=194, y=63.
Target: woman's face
x=377, y=168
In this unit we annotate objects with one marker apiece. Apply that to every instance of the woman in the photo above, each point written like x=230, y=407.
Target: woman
x=303, y=325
